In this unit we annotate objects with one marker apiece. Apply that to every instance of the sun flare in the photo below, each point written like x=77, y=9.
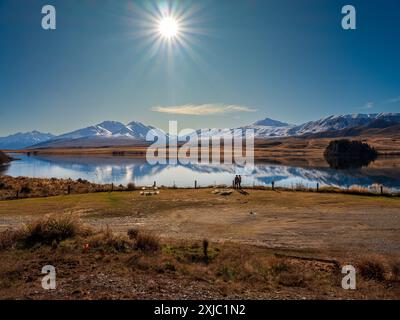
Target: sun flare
x=169, y=27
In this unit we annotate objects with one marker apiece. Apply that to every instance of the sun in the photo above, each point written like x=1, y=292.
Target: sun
x=168, y=27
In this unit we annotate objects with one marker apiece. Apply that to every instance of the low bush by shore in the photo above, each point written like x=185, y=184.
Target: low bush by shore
x=24, y=187
x=4, y=158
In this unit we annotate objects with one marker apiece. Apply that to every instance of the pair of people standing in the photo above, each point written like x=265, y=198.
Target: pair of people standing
x=237, y=183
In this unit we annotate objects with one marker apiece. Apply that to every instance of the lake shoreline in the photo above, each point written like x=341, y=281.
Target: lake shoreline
x=17, y=188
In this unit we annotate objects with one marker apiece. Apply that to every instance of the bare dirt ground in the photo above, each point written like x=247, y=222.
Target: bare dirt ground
x=345, y=224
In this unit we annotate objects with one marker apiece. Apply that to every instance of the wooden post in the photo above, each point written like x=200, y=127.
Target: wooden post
x=273, y=185
x=69, y=189
x=154, y=184
x=195, y=184
x=381, y=189
x=17, y=194
x=112, y=187
x=317, y=187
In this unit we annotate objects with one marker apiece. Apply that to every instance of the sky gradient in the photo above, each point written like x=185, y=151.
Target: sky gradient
x=243, y=60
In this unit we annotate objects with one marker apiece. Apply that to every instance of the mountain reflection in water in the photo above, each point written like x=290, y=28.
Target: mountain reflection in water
x=122, y=170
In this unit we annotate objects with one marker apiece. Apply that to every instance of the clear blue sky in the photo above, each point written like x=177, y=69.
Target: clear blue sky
x=288, y=60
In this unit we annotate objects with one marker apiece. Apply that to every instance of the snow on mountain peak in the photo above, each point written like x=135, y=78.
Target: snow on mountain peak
x=137, y=131
x=268, y=122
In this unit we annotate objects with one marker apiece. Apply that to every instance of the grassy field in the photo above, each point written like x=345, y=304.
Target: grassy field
x=285, y=219
x=262, y=244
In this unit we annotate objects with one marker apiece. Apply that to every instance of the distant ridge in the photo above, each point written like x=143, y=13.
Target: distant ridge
x=22, y=140
x=114, y=133
x=335, y=125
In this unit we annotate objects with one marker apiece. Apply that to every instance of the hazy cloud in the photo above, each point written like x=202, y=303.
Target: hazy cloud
x=393, y=100
x=368, y=105
x=203, y=109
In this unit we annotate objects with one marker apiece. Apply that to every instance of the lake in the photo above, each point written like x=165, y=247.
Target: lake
x=123, y=170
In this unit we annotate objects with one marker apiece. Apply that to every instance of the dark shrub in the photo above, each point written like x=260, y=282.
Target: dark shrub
x=131, y=186
x=147, y=242
x=372, y=269
x=4, y=158
x=395, y=265
x=343, y=154
x=26, y=189
x=51, y=229
x=132, y=233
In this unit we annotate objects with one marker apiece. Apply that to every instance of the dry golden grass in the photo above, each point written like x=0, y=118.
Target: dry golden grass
x=24, y=187
x=147, y=241
x=50, y=230
x=228, y=270
x=108, y=240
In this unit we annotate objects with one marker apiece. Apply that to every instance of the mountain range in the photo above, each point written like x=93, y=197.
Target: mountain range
x=22, y=140
x=113, y=133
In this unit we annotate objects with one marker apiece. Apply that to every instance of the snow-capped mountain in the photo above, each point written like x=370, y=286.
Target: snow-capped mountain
x=103, y=134
x=134, y=130
x=138, y=130
x=113, y=133
x=22, y=140
x=275, y=128
x=268, y=122
x=267, y=128
x=340, y=122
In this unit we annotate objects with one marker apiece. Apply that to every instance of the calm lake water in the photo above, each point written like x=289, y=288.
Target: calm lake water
x=122, y=170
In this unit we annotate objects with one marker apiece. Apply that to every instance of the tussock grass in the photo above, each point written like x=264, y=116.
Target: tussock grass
x=10, y=238
x=47, y=231
x=372, y=268
x=132, y=233
x=108, y=240
x=395, y=269
x=147, y=241
x=292, y=279
x=51, y=229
